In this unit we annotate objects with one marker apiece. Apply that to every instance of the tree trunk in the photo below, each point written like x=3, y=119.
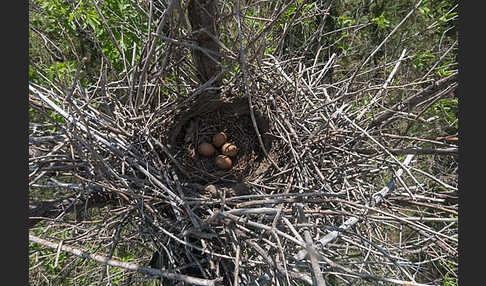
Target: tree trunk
x=202, y=16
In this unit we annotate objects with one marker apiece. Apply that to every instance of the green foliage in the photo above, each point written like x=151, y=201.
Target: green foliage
x=344, y=21
x=82, y=26
x=448, y=281
x=293, y=8
x=440, y=11
x=443, y=69
x=271, y=48
x=50, y=262
x=33, y=76
x=289, y=13
x=425, y=11
x=381, y=22
x=47, y=258
x=423, y=60
x=447, y=110
x=61, y=70
x=447, y=17
x=297, y=31
x=50, y=254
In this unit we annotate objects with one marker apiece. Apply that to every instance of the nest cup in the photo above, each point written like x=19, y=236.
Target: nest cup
x=232, y=118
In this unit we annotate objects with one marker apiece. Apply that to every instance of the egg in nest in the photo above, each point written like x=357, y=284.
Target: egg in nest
x=223, y=162
x=206, y=149
x=219, y=139
x=229, y=149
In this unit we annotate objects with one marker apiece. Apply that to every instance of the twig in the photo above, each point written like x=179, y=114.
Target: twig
x=151, y=50
x=316, y=269
x=434, y=88
x=414, y=151
x=245, y=87
x=108, y=144
x=125, y=265
x=385, y=85
x=301, y=276
x=380, y=45
x=386, y=151
x=110, y=33
x=353, y=220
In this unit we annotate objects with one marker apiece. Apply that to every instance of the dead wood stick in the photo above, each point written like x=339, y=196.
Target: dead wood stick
x=378, y=198
x=150, y=53
x=416, y=151
x=310, y=248
x=370, y=277
x=385, y=85
x=370, y=56
x=245, y=80
x=296, y=275
x=40, y=210
x=412, y=101
x=125, y=265
x=112, y=147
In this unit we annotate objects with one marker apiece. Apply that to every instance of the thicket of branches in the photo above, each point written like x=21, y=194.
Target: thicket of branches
x=357, y=187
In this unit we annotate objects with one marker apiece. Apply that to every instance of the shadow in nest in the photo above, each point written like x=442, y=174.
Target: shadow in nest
x=234, y=119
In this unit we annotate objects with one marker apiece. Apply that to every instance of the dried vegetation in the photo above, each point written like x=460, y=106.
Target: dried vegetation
x=343, y=176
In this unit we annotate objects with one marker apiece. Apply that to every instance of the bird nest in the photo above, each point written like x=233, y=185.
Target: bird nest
x=306, y=184
x=234, y=119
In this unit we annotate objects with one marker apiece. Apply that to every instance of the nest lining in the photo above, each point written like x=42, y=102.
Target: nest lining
x=241, y=132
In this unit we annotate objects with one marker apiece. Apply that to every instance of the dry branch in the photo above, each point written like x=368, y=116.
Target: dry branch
x=322, y=193
x=123, y=265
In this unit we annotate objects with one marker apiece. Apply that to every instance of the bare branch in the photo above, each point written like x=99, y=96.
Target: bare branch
x=124, y=265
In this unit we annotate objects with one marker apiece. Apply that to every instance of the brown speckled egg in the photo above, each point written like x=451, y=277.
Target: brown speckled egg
x=219, y=139
x=229, y=149
x=206, y=149
x=223, y=162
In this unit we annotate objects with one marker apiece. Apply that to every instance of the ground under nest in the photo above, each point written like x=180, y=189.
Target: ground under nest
x=240, y=131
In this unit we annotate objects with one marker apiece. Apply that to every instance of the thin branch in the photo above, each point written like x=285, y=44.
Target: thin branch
x=125, y=265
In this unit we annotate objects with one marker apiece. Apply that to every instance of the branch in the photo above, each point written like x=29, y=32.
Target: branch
x=296, y=275
x=310, y=248
x=245, y=87
x=41, y=210
x=125, y=265
x=378, y=197
x=409, y=103
x=111, y=146
x=415, y=151
x=380, y=45
x=150, y=53
x=385, y=85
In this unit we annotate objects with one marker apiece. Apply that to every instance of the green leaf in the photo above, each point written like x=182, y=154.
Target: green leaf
x=344, y=21
x=94, y=22
x=381, y=22
x=447, y=17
